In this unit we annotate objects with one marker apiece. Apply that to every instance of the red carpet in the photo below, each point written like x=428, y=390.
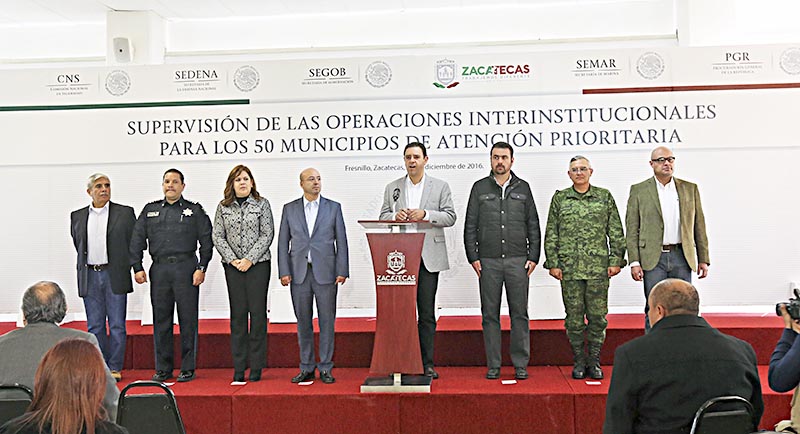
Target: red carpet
x=461, y=401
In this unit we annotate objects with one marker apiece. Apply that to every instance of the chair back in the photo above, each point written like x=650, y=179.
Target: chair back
x=14, y=401
x=151, y=413
x=724, y=415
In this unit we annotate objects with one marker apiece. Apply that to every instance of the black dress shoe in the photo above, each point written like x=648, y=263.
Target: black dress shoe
x=162, y=376
x=186, y=376
x=326, y=377
x=255, y=375
x=521, y=373
x=493, y=374
x=430, y=372
x=579, y=371
x=303, y=376
x=595, y=373
x=238, y=376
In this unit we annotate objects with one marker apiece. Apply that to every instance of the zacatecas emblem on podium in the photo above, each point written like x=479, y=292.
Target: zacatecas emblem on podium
x=396, y=273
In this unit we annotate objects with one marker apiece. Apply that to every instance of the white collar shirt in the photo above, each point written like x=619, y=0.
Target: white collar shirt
x=311, y=209
x=414, y=193
x=503, y=186
x=670, y=211
x=96, y=228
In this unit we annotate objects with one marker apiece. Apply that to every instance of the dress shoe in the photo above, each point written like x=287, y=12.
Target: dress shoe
x=255, y=374
x=520, y=373
x=238, y=376
x=326, y=377
x=493, y=374
x=303, y=376
x=186, y=376
x=116, y=375
x=430, y=372
x=595, y=373
x=162, y=376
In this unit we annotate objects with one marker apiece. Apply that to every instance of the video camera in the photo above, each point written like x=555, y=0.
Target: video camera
x=792, y=306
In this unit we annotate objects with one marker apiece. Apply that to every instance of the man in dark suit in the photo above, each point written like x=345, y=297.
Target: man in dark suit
x=665, y=227
x=43, y=307
x=101, y=233
x=312, y=257
x=662, y=378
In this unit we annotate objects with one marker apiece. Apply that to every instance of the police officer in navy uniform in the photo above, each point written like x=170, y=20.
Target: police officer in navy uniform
x=173, y=227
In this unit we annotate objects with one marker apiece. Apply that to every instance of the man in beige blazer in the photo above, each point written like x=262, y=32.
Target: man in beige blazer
x=413, y=197
x=666, y=228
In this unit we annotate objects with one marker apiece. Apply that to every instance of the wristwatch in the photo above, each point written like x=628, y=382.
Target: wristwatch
x=201, y=268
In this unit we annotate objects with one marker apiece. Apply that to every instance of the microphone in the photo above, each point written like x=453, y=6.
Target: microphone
x=395, y=196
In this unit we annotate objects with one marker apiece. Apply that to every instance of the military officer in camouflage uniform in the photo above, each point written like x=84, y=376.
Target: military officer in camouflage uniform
x=585, y=247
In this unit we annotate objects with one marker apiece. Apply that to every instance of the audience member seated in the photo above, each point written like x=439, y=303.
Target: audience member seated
x=43, y=307
x=661, y=379
x=68, y=395
x=784, y=369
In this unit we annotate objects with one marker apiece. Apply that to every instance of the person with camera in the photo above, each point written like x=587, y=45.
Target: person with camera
x=784, y=365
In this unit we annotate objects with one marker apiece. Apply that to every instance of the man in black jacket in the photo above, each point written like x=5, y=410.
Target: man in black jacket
x=502, y=239
x=662, y=378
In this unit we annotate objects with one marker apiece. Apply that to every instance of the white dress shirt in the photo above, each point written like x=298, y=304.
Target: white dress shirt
x=670, y=211
x=311, y=210
x=96, y=228
x=414, y=193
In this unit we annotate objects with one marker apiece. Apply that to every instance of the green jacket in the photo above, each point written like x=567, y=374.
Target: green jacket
x=584, y=234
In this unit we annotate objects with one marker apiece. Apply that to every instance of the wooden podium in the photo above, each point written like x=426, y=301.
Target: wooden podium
x=396, y=250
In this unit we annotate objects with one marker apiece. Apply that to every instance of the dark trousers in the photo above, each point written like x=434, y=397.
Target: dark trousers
x=495, y=272
x=427, y=283
x=102, y=304
x=247, y=293
x=170, y=285
x=671, y=264
x=303, y=295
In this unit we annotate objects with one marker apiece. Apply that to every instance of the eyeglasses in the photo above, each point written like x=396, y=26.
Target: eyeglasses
x=582, y=169
x=661, y=160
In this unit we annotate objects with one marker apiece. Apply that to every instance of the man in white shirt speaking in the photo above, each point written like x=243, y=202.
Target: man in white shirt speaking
x=417, y=196
x=666, y=228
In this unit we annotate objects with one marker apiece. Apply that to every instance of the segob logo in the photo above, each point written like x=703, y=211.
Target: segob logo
x=246, y=78
x=396, y=273
x=378, y=74
x=650, y=65
x=118, y=82
x=446, y=71
x=790, y=61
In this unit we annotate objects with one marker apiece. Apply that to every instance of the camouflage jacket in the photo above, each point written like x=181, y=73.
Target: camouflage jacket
x=584, y=234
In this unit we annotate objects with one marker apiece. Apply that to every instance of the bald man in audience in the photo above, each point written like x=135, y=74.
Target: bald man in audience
x=662, y=378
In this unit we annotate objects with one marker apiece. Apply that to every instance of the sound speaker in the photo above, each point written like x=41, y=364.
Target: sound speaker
x=123, y=50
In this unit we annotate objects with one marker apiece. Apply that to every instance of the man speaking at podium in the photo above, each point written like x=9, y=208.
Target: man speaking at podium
x=416, y=197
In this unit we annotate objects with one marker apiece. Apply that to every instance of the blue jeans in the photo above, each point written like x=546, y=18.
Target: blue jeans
x=101, y=305
x=672, y=264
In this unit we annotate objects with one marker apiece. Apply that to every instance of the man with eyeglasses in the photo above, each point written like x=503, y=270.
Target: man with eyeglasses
x=666, y=228
x=584, y=246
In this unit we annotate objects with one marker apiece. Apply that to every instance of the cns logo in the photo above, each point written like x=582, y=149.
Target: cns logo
x=118, y=82
x=445, y=71
x=396, y=273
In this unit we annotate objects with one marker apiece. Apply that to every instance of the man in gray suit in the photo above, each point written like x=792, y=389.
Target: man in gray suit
x=312, y=257
x=43, y=307
x=416, y=197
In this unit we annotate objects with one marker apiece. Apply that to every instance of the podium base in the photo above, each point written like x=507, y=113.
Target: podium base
x=397, y=383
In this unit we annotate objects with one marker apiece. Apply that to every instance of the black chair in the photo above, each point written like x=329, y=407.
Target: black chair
x=152, y=413
x=724, y=415
x=14, y=400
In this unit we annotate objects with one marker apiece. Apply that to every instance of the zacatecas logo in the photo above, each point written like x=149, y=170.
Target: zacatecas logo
x=378, y=74
x=650, y=65
x=194, y=80
x=445, y=71
x=246, y=78
x=737, y=63
x=118, y=82
x=396, y=273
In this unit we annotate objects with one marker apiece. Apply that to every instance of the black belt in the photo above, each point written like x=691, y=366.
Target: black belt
x=97, y=267
x=670, y=247
x=173, y=259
